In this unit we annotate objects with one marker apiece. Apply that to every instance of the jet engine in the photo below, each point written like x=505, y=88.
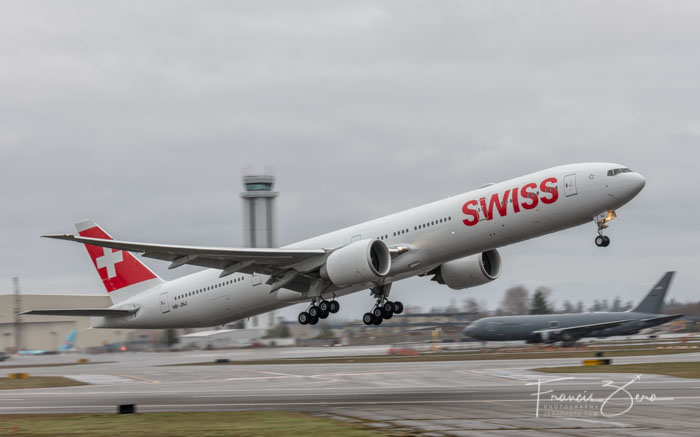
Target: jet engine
x=358, y=262
x=470, y=271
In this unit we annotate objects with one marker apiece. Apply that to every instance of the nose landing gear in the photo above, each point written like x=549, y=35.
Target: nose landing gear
x=601, y=220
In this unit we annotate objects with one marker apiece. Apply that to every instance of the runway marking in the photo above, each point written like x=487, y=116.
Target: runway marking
x=478, y=373
x=243, y=378
x=247, y=405
x=57, y=407
x=356, y=374
x=331, y=394
x=153, y=381
x=604, y=422
x=233, y=392
x=279, y=373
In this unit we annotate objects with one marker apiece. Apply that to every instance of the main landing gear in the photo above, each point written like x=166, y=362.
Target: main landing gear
x=384, y=309
x=317, y=311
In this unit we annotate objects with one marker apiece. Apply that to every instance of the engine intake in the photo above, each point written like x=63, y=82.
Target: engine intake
x=470, y=271
x=358, y=262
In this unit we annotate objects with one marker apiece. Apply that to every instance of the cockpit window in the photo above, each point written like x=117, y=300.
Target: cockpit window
x=617, y=171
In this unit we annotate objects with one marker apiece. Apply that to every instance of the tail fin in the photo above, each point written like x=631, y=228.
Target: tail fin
x=69, y=342
x=654, y=301
x=122, y=274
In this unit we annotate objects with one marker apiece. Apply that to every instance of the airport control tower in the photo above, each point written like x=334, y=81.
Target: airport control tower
x=259, y=229
x=259, y=225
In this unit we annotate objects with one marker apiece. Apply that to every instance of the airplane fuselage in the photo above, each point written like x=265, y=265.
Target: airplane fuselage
x=493, y=216
x=527, y=327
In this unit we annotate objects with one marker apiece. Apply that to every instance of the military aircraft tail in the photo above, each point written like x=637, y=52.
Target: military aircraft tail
x=654, y=301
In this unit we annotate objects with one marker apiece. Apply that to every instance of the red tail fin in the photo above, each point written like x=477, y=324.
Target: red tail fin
x=117, y=269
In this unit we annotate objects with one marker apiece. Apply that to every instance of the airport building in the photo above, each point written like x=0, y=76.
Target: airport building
x=49, y=332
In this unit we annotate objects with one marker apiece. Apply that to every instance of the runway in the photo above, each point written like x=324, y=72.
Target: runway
x=432, y=398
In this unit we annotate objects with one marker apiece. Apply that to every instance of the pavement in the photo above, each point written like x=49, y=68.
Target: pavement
x=498, y=397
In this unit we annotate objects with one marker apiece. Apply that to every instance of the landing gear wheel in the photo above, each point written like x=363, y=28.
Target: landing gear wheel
x=377, y=313
x=386, y=315
x=606, y=241
x=323, y=314
x=335, y=306
x=388, y=306
x=324, y=306
x=377, y=321
x=313, y=311
x=313, y=320
x=304, y=318
x=600, y=241
x=398, y=307
x=368, y=319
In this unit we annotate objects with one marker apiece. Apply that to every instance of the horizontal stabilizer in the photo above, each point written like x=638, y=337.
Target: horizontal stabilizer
x=82, y=312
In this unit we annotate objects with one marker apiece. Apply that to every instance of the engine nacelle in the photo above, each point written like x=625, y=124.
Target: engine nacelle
x=470, y=271
x=358, y=262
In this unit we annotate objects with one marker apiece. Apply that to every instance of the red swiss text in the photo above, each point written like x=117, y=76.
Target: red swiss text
x=522, y=198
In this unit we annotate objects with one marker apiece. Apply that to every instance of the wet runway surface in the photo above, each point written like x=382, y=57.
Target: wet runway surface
x=496, y=397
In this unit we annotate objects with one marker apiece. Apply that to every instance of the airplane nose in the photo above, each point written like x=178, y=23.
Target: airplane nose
x=638, y=182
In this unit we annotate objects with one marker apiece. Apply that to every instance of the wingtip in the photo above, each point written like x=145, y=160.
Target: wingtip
x=59, y=236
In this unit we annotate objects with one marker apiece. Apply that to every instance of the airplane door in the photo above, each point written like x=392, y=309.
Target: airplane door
x=356, y=238
x=255, y=279
x=570, y=184
x=164, y=308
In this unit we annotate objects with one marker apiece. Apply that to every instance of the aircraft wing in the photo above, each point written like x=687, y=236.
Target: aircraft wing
x=662, y=319
x=580, y=331
x=230, y=260
x=95, y=312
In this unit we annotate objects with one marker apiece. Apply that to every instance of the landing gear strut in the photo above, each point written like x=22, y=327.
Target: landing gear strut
x=318, y=310
x=384, y=309
x=601, y=220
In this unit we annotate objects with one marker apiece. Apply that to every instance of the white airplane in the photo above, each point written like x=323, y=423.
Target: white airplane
x=454, y=240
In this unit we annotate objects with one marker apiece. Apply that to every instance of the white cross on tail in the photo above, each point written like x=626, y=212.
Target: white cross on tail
x=109, y=260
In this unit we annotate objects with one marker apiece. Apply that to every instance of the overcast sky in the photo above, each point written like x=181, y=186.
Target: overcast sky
x=143, y=115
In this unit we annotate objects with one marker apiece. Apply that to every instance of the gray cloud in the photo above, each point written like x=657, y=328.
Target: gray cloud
x=142, y=116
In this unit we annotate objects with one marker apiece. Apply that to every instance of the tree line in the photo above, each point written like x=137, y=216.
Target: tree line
x=519, y=300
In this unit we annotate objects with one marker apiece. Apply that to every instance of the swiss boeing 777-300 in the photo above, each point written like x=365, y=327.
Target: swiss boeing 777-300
x=453, y=240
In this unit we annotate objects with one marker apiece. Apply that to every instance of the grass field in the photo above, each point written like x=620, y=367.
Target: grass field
x=458, y=356
x=262, y=424
x=37, y=382
x=683, y=370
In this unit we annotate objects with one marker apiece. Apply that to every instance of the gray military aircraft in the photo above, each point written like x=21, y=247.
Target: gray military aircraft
x=568, y=328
